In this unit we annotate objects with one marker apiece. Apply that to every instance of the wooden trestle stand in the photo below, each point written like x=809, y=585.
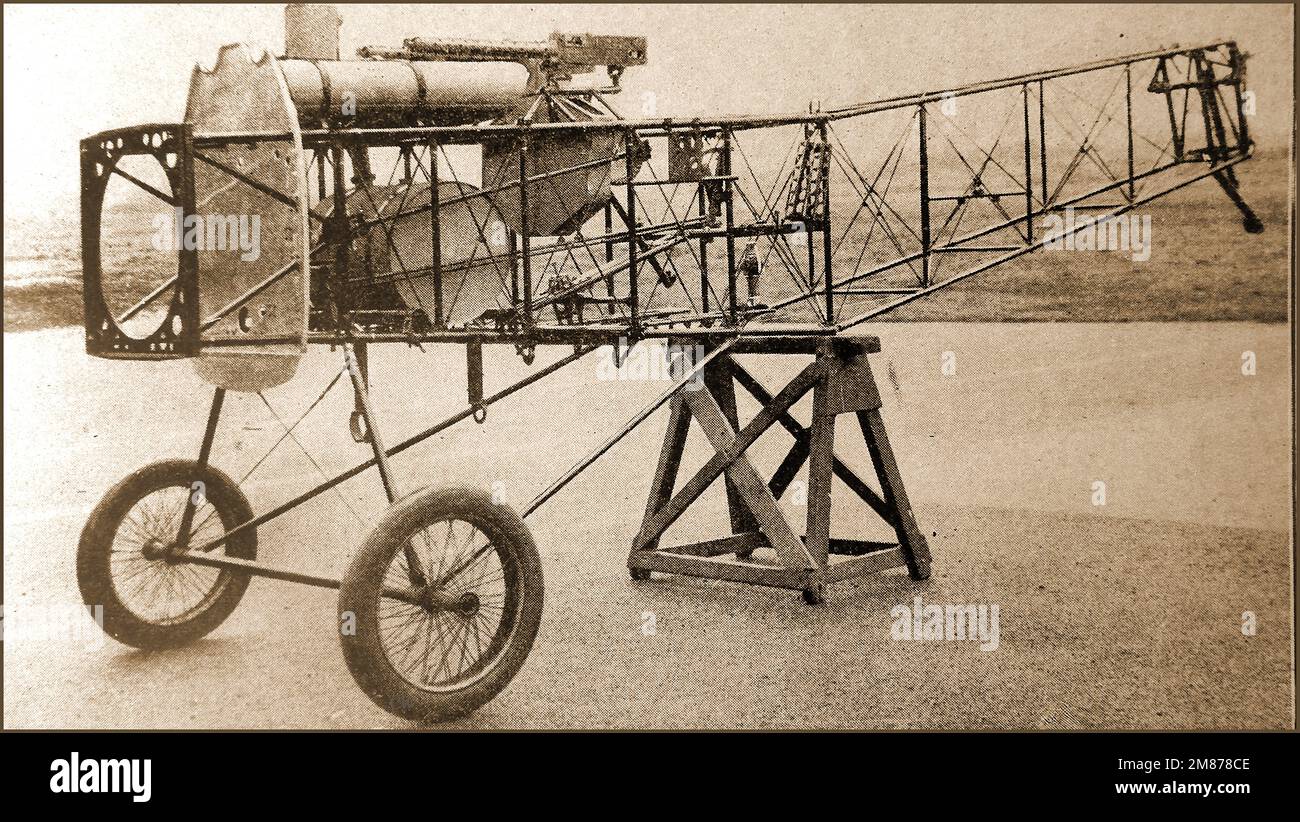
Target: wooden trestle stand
x=841, y=382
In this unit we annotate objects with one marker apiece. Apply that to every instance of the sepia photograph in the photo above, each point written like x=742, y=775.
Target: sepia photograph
x=649, y=367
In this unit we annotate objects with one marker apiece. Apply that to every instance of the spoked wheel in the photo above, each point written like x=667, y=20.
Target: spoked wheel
x=441, y=605
x=124, y=564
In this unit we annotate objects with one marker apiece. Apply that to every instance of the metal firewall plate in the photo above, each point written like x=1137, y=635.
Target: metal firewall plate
x=686, y=157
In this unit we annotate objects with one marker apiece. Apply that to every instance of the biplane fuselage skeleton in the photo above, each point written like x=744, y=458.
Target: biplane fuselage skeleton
x=570, y=225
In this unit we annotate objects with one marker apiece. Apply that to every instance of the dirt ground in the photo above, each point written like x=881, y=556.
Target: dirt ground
x=1186, y=277
x=1127, y=615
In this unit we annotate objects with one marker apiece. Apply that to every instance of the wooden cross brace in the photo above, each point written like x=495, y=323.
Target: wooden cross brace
x=841, y=382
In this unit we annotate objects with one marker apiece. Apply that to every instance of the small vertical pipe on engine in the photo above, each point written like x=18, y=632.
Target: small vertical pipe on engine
x=435, y=231
x=925, y=201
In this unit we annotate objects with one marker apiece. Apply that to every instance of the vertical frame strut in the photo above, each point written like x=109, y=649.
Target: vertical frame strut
x=1042, y=141
x=704, y=254
x=525, y=245
x=925, y=200
x=435, y=229
x=205, y=453
x=728, y=204
x=823, y=131
x=1128, y=112
x=1029, y=171
x=629, y=164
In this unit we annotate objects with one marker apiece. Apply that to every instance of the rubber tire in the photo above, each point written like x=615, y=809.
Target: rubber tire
x=359, y=597
x=94, y=573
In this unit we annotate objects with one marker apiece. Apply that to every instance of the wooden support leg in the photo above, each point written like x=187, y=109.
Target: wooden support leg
x=821, y=453
x=718, y=381
x=665, y=478
x=910, y=538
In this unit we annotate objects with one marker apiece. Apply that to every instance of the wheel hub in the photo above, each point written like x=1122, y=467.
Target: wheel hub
x=154, y=549
x=468, y=604
x=435, y=599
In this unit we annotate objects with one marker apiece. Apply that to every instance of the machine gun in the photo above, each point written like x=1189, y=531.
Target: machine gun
x=555, y=60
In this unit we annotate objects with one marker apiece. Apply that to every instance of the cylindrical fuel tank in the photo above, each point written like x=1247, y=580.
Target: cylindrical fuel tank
x=389, y=93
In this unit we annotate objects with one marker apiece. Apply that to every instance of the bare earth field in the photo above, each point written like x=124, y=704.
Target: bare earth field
x=1203, y=266
x=1122, y=616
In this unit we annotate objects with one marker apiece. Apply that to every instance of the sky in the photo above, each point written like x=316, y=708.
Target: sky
x=71, y=71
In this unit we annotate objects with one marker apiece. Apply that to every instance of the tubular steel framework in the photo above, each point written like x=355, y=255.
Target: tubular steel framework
x=751, y=234
x=852, y=237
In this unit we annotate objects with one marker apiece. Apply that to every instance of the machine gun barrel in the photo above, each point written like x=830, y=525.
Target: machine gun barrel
x=577, y=52
x=517, y=51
